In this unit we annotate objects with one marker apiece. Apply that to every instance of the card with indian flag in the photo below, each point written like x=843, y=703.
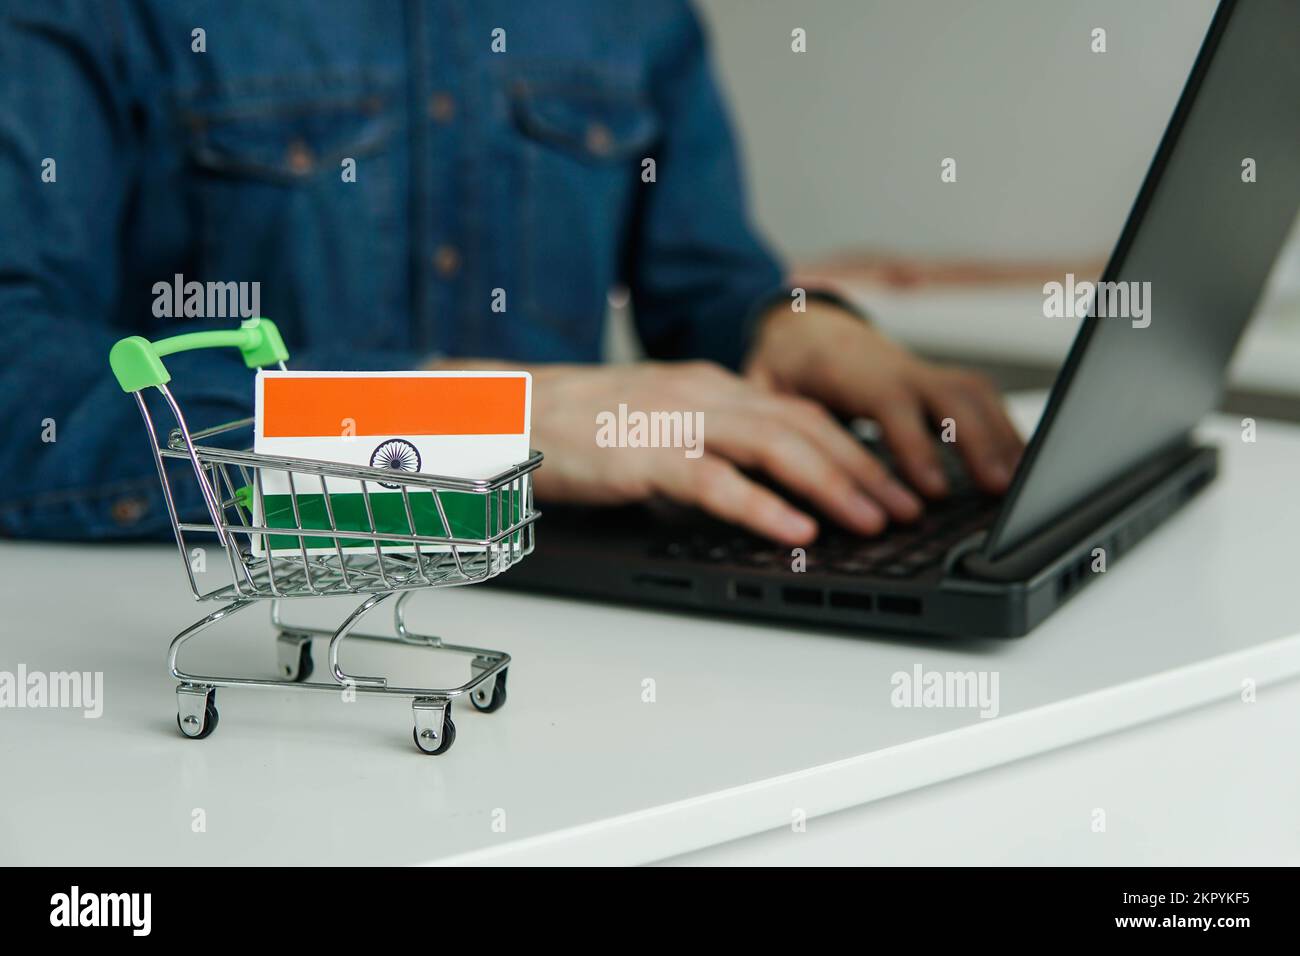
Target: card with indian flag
x=457, y=424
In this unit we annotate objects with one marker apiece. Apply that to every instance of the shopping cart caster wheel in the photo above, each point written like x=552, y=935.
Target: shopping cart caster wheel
x=488, y=697
x=295, y=658
x=305, y=665
x=440, y=746
x=190, y=726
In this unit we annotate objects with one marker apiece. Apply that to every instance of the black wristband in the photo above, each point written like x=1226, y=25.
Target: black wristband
x=830, y=297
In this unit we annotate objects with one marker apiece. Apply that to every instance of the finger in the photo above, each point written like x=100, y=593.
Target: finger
x=985, y=439
x=976, y=441
x=1009, y=440
x=819, y=427
x=903, y=422
x=801, y=466
x=714, y=485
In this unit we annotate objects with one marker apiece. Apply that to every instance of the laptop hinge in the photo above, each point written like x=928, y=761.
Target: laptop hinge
x=1076, y=523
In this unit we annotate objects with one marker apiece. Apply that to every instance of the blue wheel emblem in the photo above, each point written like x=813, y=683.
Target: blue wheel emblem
x=396, y=454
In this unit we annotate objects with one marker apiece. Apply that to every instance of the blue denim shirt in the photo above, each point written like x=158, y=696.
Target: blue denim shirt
x=476, y=170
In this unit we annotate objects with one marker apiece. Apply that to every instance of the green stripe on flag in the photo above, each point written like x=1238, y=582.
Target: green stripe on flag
x=465, y=513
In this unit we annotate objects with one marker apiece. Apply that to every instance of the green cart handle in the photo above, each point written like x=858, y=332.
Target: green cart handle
x=137, y=362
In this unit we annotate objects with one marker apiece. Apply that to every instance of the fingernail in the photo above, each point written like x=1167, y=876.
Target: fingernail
x=867, y=513
x=901, y=502
x=934, y=480
x=997, y=473
x=799, y=527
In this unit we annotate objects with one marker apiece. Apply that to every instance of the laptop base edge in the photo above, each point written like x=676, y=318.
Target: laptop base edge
x=967, y=600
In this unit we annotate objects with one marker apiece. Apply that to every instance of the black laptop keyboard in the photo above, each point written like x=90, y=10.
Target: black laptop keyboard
x=903, y=551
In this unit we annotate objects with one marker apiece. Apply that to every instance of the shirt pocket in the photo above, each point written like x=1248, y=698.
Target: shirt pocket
x=297, y=189
x=584, y=136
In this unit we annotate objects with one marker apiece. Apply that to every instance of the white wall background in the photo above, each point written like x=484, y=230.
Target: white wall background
x=843, y=143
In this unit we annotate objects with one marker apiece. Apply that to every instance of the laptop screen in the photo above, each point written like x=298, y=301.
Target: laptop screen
x=1189, y=268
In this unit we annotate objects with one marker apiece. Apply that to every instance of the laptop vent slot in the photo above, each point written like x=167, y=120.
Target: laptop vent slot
x=851, y=601
x=900, y=604
x=807, y=597
x=1076, y=576
x=664, y=582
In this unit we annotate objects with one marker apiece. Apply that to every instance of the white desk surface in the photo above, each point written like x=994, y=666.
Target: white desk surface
x=750, y=722
x=1007, y=323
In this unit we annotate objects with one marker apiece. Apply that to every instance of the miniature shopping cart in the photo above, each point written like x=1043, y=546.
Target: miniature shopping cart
x=276, y=560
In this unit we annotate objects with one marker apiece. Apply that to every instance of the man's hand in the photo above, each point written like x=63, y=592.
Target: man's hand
x=792, y=439
x=837, y=359
x=772, y=420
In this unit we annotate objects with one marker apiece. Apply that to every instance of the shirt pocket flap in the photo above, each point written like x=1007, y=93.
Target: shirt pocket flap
x=592, y=124
x=287, y=139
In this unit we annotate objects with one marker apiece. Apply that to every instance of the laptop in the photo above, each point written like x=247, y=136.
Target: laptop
x=1113, y=455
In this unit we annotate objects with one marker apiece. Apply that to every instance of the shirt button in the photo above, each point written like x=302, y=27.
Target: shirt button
x=129, y=510
x=447, y=261
x=300, y=158
x=442, y=108
x=599, y=139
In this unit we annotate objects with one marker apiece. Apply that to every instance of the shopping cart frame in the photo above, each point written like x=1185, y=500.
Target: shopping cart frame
x=378, y=564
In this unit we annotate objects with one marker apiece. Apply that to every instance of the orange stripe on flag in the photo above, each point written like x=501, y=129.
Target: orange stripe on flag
x=389, y=405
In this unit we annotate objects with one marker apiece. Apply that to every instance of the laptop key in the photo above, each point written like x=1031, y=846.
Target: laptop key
x=929, y=555
x=876, y=551
x=897, y=570
x=852, y=566
x=669, y=550
x=917, y=560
